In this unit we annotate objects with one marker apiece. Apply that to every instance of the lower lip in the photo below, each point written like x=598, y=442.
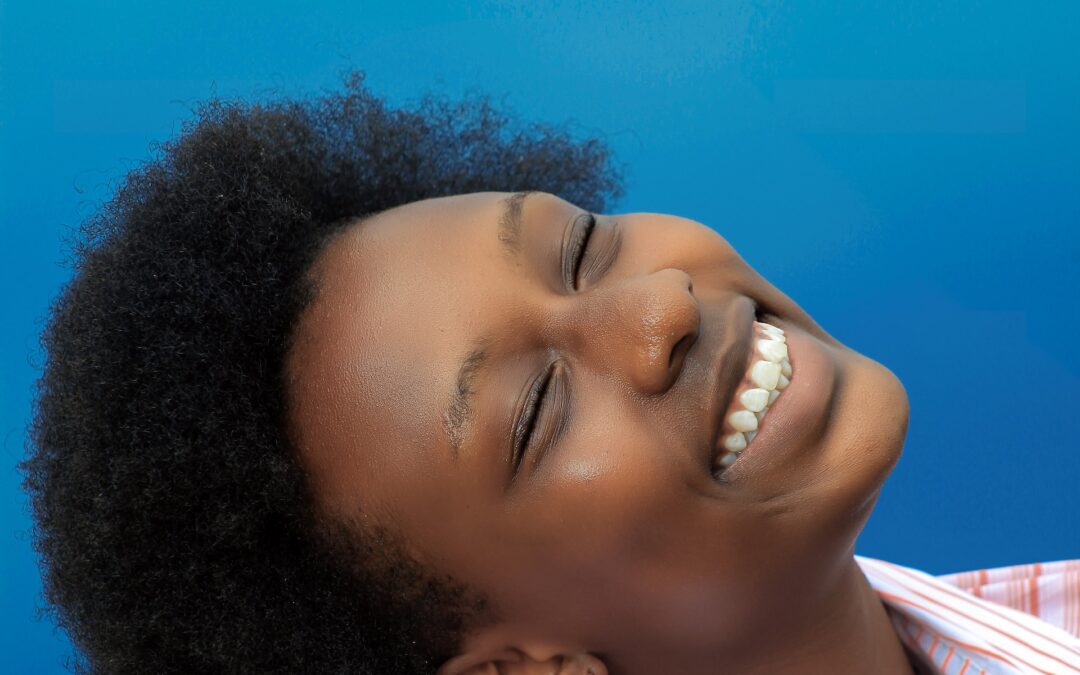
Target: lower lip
x=798, y=410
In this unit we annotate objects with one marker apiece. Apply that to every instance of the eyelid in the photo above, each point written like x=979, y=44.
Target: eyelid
x=561, y=416
x=599, y=262
x=548, y=429
x=525, y=425
x=575, y=241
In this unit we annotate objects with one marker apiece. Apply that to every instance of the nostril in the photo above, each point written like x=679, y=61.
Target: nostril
x=679, y=350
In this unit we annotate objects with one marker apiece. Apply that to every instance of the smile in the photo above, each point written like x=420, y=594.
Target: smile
x=768, y=375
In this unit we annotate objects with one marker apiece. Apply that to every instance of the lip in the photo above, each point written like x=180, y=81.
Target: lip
x=731, y=364
x=799, y=408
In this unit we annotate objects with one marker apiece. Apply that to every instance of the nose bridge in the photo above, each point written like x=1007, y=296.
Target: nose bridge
x=629, y=329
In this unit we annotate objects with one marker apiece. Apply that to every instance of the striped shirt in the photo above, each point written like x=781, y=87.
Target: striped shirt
x=1020, y=619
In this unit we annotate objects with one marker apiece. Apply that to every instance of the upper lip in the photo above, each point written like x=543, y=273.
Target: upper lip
x=727, y=371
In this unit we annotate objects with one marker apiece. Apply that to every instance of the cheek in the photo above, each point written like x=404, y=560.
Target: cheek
x=612, y=532
x=612, y=511
x=622, y=493
x=631, y=546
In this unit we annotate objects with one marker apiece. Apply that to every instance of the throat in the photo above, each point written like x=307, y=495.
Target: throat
x=851, y=632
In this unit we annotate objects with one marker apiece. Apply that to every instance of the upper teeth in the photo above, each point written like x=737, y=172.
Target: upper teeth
x=768, y=375
x=765, y=374
x=773, y=349
x=754, y=399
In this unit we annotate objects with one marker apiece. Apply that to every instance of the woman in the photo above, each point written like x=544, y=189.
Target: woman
x=345, y=388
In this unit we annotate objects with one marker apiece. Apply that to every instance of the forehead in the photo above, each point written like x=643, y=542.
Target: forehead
x=375, y=353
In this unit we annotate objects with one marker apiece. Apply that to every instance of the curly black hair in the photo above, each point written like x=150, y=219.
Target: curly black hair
x=175, y=529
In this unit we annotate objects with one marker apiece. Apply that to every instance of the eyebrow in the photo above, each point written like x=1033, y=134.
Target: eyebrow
x=510, y=223
x=458, y=412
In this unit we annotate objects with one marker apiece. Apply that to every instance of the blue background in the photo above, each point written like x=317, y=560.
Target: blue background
x=908, y=172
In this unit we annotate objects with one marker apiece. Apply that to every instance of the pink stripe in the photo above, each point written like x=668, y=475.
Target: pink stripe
x=1004, y=658
x=948, y=657
x=990, y=609
x=1033, y=590
x=1003, y=652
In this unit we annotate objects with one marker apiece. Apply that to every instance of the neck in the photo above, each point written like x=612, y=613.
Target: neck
x=851, y=634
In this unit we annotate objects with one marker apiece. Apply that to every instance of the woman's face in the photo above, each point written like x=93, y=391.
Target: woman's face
x=610, y=532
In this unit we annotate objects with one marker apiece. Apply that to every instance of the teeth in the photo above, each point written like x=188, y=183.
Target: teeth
x=728, y=459
x=765, y=374
x=769, y=376
x=772, y=350
x=755, y=399
x=734, y=442
x=743, y=420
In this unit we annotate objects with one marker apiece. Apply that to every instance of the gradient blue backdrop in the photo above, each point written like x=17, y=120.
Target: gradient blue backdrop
x=909, y=173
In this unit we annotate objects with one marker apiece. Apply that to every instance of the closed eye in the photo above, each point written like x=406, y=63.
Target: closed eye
x=580, y=235
x=524, y=430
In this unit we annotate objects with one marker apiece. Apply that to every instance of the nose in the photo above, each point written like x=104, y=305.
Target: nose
x=639, y=328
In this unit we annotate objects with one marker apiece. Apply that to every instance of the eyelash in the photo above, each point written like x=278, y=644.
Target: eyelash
x=577, y=248
x=532, y=407
x=572, y=263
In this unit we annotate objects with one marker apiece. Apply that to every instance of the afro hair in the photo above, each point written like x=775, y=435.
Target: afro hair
x=176, y=532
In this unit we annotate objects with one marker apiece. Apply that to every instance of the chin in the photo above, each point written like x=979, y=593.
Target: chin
x=887, y=410
x=870, y=426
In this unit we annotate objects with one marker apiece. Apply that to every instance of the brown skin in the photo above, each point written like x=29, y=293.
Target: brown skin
x=615, y=550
